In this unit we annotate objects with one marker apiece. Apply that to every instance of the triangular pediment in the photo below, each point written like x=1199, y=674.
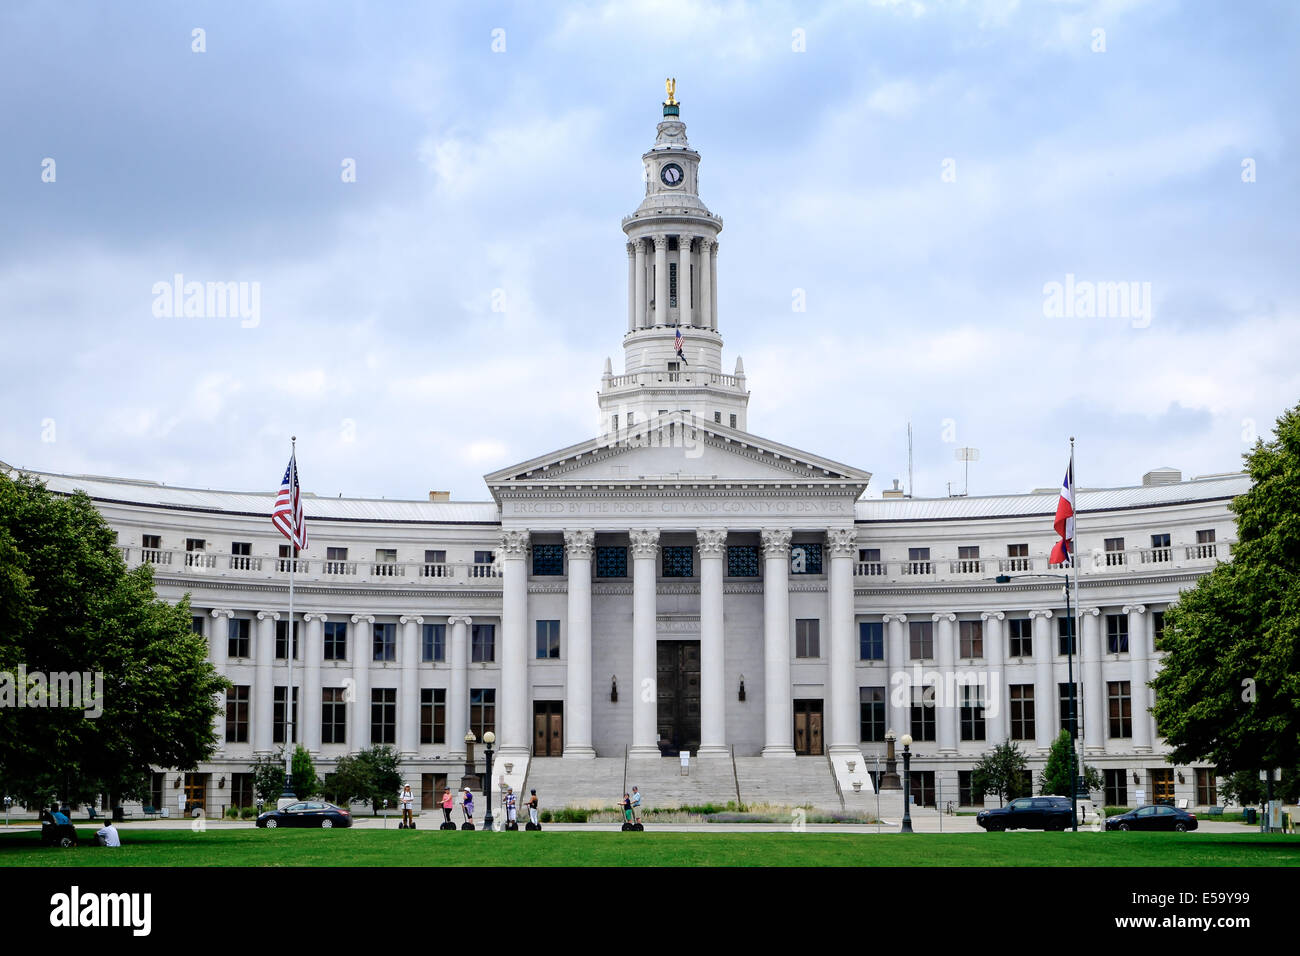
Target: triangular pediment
x=674, y=449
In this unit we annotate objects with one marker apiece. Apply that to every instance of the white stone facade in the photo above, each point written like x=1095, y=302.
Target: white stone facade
x=670, y=472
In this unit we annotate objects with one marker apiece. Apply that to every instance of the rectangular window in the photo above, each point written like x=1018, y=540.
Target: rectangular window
x=336, y=641
x=241, y=555
x=1120, y=703
x=968, y=560
x=1114, y=551
x=923, y=787
x=806, y=558
x=1020, y=634
x=237, y=715
x=383, y=715
x=1205, y=546
x=871, y=714
x=717, y=418
x=1116, y=788
x=548, y=640
x=384, y=643
x=869, y=561
x=1065, y=629
x=920, y=640
x=918, y=561
x=678, y=561
x=334, y=715
x=672, y=285
x=433, y=715
x=1207, y=794
x=282, y=640
x=1117, y=633
x=548, y=560
x=1022, y=711
x=1160, y=550
x=1017, y=557
x=483, y=643
x=435, y=556
x=241, y=790
x=484, y=557
x=742, y=561
x=964, y=796
x=611, y=561
x=971, y=638
x=278, y=716
x=336, y=560
x=237, y=636
x=482, y=710
x=972, y=712
x=807, y=637
x=283, y=564
x=1063, y=699
x=196, y=624
x=151, y=542
x=922, y=713
x=871, y=641
x=1157, y=626
x=733, y=421
x=433, y=645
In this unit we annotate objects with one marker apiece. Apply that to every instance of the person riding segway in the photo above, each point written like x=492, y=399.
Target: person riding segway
x=532, y=823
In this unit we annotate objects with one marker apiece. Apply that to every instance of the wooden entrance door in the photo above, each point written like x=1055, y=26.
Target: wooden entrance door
x=1162, y=786
x=196, y=791
x=678, y=693
x=808, y=727
x=431, y=786
x=548, y=728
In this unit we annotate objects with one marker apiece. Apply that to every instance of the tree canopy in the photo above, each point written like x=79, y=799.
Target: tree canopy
x=1001, y=771
x=68, y=605
x=1228, y=691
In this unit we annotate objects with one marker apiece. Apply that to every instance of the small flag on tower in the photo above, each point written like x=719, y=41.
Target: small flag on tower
x=1063, y=550
x=678, y=342
x=287, y=515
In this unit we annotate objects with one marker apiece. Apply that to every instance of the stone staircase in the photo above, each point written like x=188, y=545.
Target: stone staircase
x=711, y=780
x=793, y=782
x=575, y=783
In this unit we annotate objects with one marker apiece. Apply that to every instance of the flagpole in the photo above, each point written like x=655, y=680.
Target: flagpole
x=1076, y=622
x=288, y=650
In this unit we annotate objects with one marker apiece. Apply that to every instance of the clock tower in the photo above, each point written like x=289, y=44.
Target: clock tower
x=672, y=271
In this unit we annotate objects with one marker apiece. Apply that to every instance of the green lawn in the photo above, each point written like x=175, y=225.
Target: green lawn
x=252, y=847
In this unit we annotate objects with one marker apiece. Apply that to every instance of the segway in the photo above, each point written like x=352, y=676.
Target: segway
x=467, y=825
x=446, y=825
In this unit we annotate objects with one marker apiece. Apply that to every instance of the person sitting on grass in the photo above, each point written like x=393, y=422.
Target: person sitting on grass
x=107, y=835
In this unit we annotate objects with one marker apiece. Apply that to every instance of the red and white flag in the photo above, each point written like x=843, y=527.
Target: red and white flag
x=287, y=514
x=1063, y=550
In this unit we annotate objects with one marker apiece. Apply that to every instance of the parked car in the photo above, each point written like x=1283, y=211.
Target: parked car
x=1154, y=817
x=306, y=813
x=1028, y=813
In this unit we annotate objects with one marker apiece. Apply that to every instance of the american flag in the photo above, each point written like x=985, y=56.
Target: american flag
x=287, y=515
x=1063, y=551
x=678, y=342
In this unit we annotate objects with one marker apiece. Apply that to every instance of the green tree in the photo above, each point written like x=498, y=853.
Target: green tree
x=368, y=776
x=1055, y=778
x=268, y=776
x=68, y=605
x=1001, y=771
x=306, y=784
x=1228, y=691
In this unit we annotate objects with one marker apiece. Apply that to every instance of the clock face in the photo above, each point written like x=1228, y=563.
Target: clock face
x=672, y=175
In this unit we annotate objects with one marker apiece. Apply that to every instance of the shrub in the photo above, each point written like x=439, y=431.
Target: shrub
x=247, y=813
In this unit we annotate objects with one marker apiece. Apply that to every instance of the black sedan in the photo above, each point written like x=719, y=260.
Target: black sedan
x=307, y=813
x=1028, y=813
x=1154, y=818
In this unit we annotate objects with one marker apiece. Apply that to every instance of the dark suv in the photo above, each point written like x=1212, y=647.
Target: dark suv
x=1028, y=813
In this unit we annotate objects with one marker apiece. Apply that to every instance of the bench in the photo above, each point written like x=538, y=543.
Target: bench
x=1215, y=812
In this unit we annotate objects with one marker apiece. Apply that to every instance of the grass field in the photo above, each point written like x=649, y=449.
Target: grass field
x=252, y=847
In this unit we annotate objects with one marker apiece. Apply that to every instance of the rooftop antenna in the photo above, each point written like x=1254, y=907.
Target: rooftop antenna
x=911, y=488
x=967, y=455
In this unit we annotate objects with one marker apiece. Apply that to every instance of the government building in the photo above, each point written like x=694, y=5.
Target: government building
x=679, y=583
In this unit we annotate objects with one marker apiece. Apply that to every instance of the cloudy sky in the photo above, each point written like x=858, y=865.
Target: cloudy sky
x=921, y=171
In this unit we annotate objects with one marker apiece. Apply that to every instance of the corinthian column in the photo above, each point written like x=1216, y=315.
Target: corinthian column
x=661, y=280
x=631, y=287
x=645, y=719
x=1044, y=692
x=1094, y=691
x=995, y=699
x=458, y=691
x=844, y=729
x=359, y=706
x=264, y=681
x=947, y=703
x=712, y=546
x=513, y=706
x=896, y=661
x=408, y=705
x=578, y=547
x=684, y=280
x=314, y=651
x=705, y=304
x=218, y=645
x=713, y=285
x=1138, y=642
x=641, y=307
x=778, y=707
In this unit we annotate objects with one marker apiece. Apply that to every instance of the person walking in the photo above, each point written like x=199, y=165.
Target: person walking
x=636, y=806
x=407, y=798
x=448, y=804
x=467, y=806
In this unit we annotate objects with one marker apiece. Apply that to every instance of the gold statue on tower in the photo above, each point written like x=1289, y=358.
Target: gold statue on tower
x=671, y=86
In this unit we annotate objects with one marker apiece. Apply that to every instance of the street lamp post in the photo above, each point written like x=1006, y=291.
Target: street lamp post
x=906, y=741
x=489, y=739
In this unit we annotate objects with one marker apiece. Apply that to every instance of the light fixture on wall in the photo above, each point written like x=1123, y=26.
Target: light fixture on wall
x=1136, y=778
x=742, y=688
x=176, y=784
x=1181, y=778
x=613, y=689
x=222, y=784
